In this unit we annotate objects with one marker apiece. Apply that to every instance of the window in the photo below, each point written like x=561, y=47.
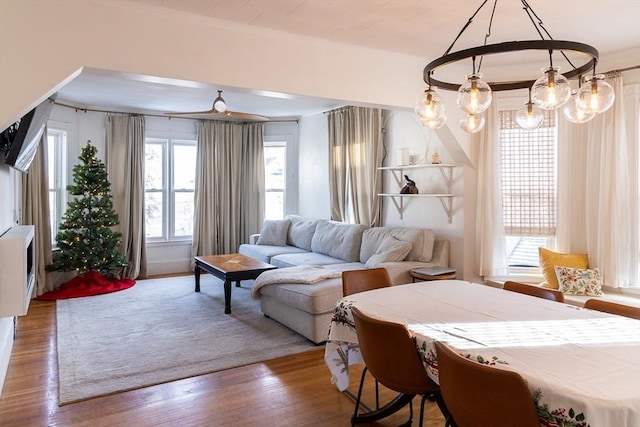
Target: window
x=275, y=160
x=528, y=187
x=56, y=164
x=169, y=188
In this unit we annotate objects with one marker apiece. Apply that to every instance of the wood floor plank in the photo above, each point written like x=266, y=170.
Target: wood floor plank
x=290, y=391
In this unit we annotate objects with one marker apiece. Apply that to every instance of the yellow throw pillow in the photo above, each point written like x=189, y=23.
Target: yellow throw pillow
x=549, y=260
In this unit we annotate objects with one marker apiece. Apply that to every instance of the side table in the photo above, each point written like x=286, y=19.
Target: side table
x=432, y=273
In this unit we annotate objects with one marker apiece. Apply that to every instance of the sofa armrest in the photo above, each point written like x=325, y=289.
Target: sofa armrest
x=253, y=238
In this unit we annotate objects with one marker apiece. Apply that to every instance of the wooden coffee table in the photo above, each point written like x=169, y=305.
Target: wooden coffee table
x=230, y=267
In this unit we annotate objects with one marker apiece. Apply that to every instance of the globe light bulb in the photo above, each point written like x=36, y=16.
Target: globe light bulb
x=529, y=117
x=574, y=113
x=472, y=123
x=430, y=105
x=434, y=123
x=596, y=95
x=552, y=90
x=474, y=96
x=220, y=106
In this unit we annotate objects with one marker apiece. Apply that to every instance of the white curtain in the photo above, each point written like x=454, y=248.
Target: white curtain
x=490, y=234
x=611, y=188
x=35, y=211
x=125, y=168
x=229, y=188
x=355, y=138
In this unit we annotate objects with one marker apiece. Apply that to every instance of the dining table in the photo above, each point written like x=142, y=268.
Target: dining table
x=581, y=366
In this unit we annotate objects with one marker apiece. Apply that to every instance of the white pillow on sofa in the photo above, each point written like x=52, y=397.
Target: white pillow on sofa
x=390, y=250
x=274, y=232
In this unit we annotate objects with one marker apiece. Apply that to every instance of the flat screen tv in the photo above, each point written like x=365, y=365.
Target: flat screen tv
x=19, y=142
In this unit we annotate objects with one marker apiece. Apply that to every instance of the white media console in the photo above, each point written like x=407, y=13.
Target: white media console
x=17, y=275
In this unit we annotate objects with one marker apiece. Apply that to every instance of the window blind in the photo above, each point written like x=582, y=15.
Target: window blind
x=528, y=176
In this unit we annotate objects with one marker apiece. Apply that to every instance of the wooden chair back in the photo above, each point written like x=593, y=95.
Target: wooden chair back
x=478, y=395
x=613, y=308
x=390, y=355
x=354, y=281
x=536, y=291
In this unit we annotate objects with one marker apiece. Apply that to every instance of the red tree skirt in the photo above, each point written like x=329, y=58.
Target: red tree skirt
x=91, y=283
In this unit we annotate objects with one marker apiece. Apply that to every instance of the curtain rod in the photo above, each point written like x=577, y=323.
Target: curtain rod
x=95, y=110
x=621, y=70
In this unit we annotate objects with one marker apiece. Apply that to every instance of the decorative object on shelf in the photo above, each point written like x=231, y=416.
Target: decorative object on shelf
x=435, y=158
x=404, y=157
x=410, y=187
x=550, y=91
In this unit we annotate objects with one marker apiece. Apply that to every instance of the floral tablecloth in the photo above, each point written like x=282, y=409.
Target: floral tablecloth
x=582, y=366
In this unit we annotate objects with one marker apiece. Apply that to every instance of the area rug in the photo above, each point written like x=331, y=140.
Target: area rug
x=160, y=330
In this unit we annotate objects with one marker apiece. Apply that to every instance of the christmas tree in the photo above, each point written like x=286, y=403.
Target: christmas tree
x=86, y=241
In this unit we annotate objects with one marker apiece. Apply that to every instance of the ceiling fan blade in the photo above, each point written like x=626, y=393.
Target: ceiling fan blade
x=186, y=113
x=246, y=116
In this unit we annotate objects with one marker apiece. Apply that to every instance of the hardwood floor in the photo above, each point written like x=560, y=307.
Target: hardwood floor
x=290, y=391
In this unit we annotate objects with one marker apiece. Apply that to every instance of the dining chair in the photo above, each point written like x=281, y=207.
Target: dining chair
x=536, y=291
x=478, y=395
x=354, y=281
x=613, y=308
x=389, y=353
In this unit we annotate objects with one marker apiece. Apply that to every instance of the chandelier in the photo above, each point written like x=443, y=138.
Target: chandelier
x=549, y=92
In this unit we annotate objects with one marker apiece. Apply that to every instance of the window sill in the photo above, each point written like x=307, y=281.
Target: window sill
x=161, y=243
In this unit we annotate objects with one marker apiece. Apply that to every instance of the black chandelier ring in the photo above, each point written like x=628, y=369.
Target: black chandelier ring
x=514, y=46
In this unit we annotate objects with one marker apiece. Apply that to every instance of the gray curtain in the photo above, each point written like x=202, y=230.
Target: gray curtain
x=356, y=143
x=125, y=167
x=229, y=189
x=35, y=211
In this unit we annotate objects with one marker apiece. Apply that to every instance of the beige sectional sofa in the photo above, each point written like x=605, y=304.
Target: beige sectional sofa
x=297, y=241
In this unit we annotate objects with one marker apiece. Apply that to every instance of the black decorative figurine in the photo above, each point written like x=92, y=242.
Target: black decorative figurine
x=410, y=187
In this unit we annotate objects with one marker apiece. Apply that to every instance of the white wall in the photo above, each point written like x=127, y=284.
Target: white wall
x=8, y=210
x=314, y=198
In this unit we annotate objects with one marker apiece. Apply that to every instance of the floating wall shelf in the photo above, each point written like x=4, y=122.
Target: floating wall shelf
x=446, y=199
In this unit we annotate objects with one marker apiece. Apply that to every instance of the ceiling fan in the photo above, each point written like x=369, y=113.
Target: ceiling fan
x=219, y=109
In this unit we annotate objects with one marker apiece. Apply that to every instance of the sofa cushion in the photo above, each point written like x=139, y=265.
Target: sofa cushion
x=301, y=231
x=274, y=232
x=303, y=258
x=391, y=250
x=421, y=239
x=318, y=298
x=338, y=240
x=264, y=253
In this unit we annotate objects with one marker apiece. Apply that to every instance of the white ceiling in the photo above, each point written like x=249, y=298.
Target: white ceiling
x=423, y=28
